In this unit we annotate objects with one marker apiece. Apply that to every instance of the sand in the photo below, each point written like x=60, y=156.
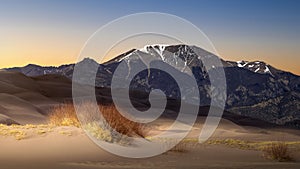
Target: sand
x=69, y=147
x=27, y=100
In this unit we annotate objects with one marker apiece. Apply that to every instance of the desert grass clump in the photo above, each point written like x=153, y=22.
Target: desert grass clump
x=19, y=135
x=41, y=131
x=278, y=151
x=233, y=143
x=13, y=131
x=121, y=124
x=66, y=133
x=183, y=146
x=64, y=115
x=99, y=133
x=109, y=125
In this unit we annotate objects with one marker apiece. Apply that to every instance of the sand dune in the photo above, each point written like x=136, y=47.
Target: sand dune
x=6, y=120
x=19, y=80
x=27, y=100
x=21, y=110
x=10, y=88
x=55, y=87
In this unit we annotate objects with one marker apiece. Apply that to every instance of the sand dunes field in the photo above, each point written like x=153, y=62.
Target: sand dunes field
x=27, y=100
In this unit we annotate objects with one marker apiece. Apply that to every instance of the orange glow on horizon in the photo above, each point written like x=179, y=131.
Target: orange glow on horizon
x=56, y=55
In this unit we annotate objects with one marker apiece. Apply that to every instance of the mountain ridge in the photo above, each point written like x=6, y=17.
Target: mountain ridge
x=254, y=89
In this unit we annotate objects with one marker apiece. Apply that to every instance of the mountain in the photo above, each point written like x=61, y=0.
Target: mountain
x=33, y=70
x=254, y=89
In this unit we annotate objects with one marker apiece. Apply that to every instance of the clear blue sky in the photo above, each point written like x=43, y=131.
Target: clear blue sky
x=240, y=29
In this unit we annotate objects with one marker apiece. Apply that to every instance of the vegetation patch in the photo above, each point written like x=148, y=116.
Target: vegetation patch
x=116, y=121
x=274, y=150
x=278, y=151
x=20, y=132
x=66, y=133
x=111, y=126
x=63, y=115
x=10, y=131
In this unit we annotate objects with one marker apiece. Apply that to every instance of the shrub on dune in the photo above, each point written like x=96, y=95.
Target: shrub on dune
x=102, y=128
x=64, y=115
x=110, y=125
x=278, y=151
x=120, y=123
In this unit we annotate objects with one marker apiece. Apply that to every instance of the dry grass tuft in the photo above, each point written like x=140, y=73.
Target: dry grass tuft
x=66, y=133
x=234, y=143
x=121, y=124
x=64, y=115
x=8, y=131
x=278, y=151
x=41, y=131
x=21, y=132
x=112, y=120
x=183, y=146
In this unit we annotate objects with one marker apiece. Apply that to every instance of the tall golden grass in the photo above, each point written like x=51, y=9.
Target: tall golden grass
x=65, y=115
x=120, y=123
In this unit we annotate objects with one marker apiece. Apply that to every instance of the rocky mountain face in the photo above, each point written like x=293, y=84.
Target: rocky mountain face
x=254, y=89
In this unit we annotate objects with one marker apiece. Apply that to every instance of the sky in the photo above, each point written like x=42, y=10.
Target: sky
x=53, y=32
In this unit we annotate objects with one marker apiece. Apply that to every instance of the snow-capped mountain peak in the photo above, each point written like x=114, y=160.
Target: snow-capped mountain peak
x=256, y=66
x=173, y=54
x=159, y=48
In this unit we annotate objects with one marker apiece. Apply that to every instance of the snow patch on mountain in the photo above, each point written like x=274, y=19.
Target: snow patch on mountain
x=257, y=66
x=241, y=63
x=159, y=48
